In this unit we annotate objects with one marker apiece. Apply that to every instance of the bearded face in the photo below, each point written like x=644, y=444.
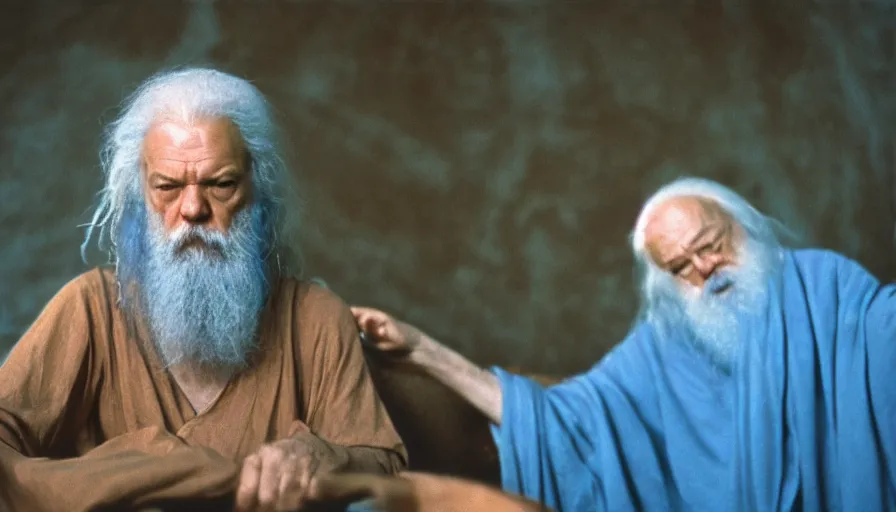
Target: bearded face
x=196, y=245
x=707, y=274
x=711, y=314
x=204, y=290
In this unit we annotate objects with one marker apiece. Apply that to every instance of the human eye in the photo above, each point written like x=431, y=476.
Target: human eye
x=682, y=270
x=165, y=187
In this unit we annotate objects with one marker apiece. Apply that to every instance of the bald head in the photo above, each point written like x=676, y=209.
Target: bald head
x=691, y=238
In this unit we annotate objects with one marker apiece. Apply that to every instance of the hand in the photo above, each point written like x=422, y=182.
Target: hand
x=385, y=333
x=277, y=476
x=376, y=492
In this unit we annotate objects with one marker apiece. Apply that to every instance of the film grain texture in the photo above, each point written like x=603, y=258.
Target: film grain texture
x=473, y=167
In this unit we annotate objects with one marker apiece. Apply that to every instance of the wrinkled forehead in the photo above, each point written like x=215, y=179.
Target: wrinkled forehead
x=677, y=223
x=204, y=139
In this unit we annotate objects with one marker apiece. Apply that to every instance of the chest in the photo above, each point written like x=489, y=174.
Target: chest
x=200, y=393
x=231, y=412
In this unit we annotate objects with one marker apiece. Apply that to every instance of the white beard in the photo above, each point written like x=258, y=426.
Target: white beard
x=203, y=302
x=712, y=315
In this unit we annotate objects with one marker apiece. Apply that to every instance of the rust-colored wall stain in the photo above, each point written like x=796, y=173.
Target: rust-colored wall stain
x=473, y=167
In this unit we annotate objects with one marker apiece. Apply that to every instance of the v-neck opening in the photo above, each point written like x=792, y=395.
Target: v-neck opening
x=195, y=414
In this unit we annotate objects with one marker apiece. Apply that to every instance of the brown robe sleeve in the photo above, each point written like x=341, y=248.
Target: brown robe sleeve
x=49, y=378
x=48, y=389
x=341, y=404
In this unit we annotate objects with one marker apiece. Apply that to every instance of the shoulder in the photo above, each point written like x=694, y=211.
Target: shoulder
x=67, y=320
x=314, y=300
x=323, y=327
x=815, y=260
x=315, y=307
x=829, y=276
x=816, y=256
x=91, y=288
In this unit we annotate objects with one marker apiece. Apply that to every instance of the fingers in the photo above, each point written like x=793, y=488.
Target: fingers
x=247, y=492
x=372, y=321
x=368, y=319
x=360, y=313
x=378, y=325
x=272, y=480
x=361, y=310
x=273, y=462
x=303, y=480
x=289, y=494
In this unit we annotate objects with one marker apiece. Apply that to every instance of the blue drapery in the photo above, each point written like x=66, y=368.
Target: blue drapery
x=804, y=420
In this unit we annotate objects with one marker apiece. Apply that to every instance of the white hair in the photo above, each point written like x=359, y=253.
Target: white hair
x=188, y=95
x=661, y=305
x=751, y=219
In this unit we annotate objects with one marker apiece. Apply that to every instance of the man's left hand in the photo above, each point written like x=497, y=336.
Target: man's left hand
x=276, y=477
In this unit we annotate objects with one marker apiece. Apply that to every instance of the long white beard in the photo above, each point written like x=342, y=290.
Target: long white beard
x=203, y=302
x=713, y=319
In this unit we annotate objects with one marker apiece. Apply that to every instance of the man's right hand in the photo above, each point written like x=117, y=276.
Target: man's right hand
x=385, y=333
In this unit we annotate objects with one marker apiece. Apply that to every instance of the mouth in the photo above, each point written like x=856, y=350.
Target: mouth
x=720, y=286
x=192, y=243
x=198, y=245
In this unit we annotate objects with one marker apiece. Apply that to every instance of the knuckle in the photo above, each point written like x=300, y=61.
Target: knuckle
x=266, y=496
x=271, y=453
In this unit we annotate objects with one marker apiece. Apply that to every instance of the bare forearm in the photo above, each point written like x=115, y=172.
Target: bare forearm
x=478, y=386
x=446, y=493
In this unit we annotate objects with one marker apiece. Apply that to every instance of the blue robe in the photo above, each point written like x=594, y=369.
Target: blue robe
x=805, y=419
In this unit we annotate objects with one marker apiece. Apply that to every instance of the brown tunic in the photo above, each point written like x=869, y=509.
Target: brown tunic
x=88, y=416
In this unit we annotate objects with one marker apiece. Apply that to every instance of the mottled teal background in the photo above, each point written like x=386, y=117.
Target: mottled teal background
x=474, y=167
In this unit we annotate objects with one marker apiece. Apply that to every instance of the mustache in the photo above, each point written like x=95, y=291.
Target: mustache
x=718, y=283
x=189, y=236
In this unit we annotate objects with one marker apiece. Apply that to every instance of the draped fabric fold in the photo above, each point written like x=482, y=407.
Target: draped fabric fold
x=804, y=420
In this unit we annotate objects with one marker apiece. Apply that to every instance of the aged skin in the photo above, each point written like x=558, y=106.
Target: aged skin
x=196, y=173
x=199, y=363
x=418, y=492
x=741, y=344
x=688, y=237
x=691, y=238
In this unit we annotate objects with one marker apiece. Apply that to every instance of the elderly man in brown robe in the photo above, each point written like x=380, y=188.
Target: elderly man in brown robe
x=198, y=366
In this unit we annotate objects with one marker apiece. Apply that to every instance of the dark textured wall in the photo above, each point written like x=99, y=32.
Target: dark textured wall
x=474, y=167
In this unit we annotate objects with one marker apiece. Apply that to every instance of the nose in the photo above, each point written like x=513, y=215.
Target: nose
x=706, y=265
x=194, y=207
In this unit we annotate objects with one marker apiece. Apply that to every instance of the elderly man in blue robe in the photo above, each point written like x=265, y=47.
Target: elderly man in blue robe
x=756, y=377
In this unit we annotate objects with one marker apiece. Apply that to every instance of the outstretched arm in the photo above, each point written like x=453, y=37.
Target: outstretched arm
x=476, y=385
x=417, y=492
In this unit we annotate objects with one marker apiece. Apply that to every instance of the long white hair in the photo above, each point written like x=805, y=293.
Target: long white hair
x=661, y=305
x=186, y=95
